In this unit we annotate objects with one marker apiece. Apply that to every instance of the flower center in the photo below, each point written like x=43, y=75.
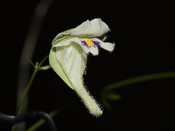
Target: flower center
x=89, y=42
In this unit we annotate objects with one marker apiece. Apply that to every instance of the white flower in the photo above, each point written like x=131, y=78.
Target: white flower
x=68, y=56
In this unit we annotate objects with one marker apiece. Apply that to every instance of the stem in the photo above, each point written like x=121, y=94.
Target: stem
x=27, y=116
x=51, y=114
x=26, y=91
x=37, y=67
x=42, y=121
x=43, y=60
x=25, y=94
x=28, y=49
x=139, y=79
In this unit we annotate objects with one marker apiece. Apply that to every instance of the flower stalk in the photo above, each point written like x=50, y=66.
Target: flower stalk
x=37, y=68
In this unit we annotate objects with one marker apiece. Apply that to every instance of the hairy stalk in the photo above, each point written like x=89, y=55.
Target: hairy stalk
x=88, y=100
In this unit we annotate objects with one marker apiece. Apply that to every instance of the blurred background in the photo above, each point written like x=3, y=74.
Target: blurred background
x=144, y=36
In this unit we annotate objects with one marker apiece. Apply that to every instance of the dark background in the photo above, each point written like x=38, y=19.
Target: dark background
x=144, y=36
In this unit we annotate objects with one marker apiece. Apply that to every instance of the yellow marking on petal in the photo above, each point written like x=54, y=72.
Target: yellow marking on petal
x=89, y=42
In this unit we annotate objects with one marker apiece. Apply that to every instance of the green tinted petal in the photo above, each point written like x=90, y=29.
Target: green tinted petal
x=58, y=68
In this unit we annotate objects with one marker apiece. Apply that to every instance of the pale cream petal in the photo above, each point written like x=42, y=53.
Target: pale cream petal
x=84, y=48
x=66, y=41
x=88, y=29
x=73, y=61
x=105, y=45
x=94, y=28
x=94, y=50
x=61, y=36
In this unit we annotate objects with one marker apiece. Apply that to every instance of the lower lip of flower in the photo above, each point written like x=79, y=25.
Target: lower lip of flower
x=89, y=43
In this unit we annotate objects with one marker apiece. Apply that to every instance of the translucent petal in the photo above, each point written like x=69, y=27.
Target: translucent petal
x=85, y=49
x=105, y=45
x=94, y=50
x=69, y=63
x=94, y=28
x=61, y=35
x=72, y=61
x=88, y=29
x=66, y=41
x=58, y=68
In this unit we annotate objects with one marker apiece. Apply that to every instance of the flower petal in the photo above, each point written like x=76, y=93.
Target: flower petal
x=73, y=62
x=61, y=36
x=89, y=47
x=57, y=67
x=94, y=28
x=105, y=45
x=66, y=41
x=94, y=50
x=69, y=62
x=88, y=29
x=85, y=49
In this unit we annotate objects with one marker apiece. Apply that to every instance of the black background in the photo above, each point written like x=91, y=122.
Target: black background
x=144, y=36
